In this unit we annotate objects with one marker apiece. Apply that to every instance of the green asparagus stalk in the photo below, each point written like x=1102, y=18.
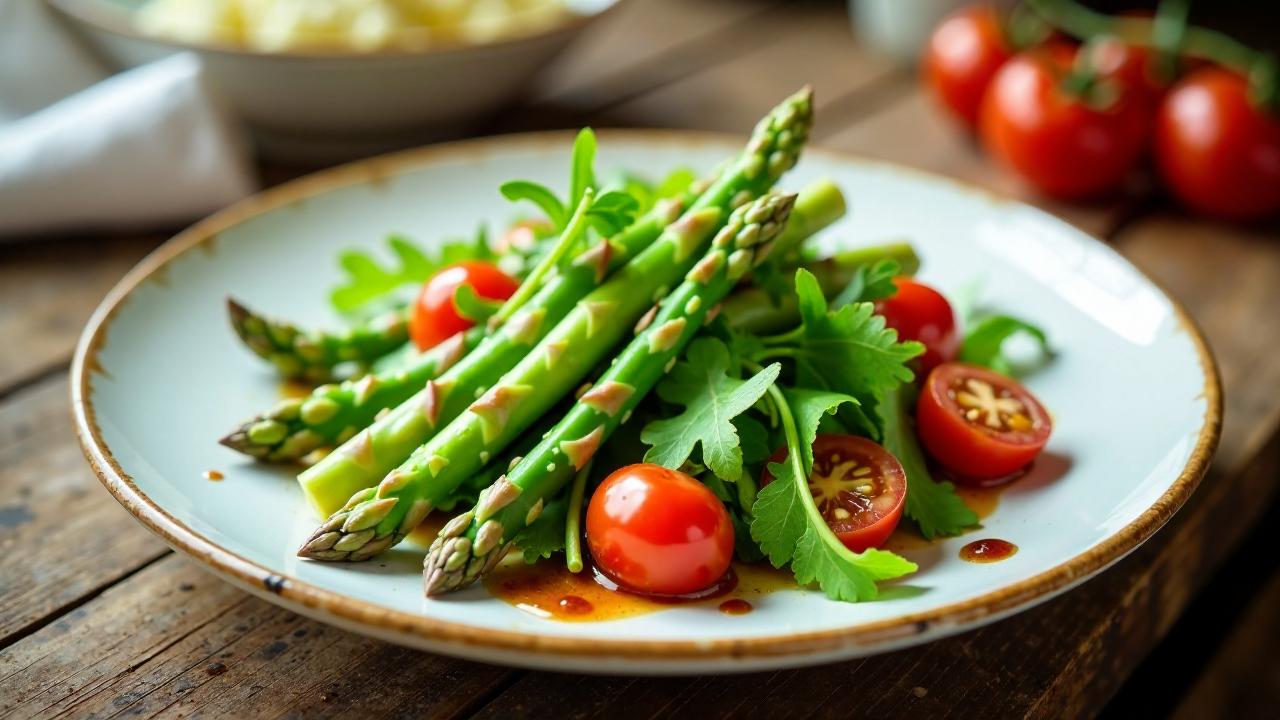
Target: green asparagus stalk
x=313, y=354
x=464, y=551
x=378, y=448
x=380, y=517
x=753, y=309
x=333, y=414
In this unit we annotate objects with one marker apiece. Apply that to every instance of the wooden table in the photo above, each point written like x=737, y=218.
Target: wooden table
x=97, y=617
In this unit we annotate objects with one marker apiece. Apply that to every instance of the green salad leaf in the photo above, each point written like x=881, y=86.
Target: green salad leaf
x=712, y=398
x=984, y=343
x=933, y=506
x=367, y=279
x=787, y=525
x=545, y=537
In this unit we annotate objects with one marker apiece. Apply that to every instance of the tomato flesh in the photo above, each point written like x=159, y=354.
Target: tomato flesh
x=918, y=312
x=859, y=487
x=435, y=316
x=978, y=424
x=1056, y=141
x=962, y=55
x=1217, y=152
x=658, y=531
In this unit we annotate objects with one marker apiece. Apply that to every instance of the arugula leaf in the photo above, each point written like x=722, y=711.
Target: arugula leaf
x=933, y=506
x=539, y=195
x=677, y=181
x=870, y=282
x=367, y=280
x=787, y=525
x=611, y=212
x=754, y=439
x=712, y=398
x=545, y=537
x=984, y=343
x=473, y=307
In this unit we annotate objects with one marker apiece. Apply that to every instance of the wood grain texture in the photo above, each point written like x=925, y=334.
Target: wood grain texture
x=174, y=641
x=47, y=291
x=62, y=536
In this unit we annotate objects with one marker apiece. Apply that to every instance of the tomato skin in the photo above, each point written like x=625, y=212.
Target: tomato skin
x=867, y=530
x=975, y=453
x=1215, y=151
x=658, y=531
x=918, y=312
x=1132, y=66
x=962, y=55
x=435, y=318
x=1057, y=142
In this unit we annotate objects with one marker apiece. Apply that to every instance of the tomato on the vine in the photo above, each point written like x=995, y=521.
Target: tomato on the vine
x=918, y=312
x=980, y=425
x=435, y=317
x=1132, y=66
x=962, y=55
x=1055, y=139
x=860, y=488
x=1215, y=150
x=658, y=531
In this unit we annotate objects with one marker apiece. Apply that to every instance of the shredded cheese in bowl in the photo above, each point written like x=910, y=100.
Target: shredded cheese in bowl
x=354, y=25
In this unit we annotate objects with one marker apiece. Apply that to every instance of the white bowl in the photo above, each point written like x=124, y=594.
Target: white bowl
x=328, y=106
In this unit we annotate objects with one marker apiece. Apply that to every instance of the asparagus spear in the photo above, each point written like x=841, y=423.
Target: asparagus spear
x=312, y=355
x=374, y=451
x=465, y=550
x=380, y=517
x=333, y=414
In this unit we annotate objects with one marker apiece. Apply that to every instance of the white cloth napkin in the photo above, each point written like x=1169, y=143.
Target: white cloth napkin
x=150, y=145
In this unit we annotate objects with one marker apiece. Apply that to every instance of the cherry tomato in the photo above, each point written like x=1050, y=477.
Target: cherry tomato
x=918, y=312
x=523, y=235
x=1217, y=152
x=1056, y=140
x=658, y=531
x=435, y=317
x=860, y=488
x=980, y=425
x=1132, y=66
x=962, y=55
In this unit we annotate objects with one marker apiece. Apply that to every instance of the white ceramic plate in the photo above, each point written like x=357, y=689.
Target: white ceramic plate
x=159, y=376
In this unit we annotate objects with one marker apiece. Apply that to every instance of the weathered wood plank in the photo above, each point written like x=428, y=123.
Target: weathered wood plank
x=641, y=44
x=48, y=288
x=912, y=132
x=806, y=44
x=62, y=536
x=174, y=641
x=1243, y=678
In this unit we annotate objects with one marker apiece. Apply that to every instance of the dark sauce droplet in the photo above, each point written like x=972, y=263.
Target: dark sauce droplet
x=735, y=606
x=575, y=605
x=988, y=550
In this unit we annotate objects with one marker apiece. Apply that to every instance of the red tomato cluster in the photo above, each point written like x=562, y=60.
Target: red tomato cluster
x=1078, y=127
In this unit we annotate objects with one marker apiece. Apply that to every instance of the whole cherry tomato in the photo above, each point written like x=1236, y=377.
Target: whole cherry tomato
x=1055, y=139
x=963, y=53
x=1216, y=151
x=658, y=531
x=980, y=425
x=435, y=317
x=860, y=488
x=918, y=312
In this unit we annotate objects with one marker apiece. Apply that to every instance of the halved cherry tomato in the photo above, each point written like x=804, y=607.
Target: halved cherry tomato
x=980, y=425
x=435, y=317
x=658, y=531
x=1216, y=151
x=1059, y=142
x=860, y=488
x=963, y=54
x=918, y=312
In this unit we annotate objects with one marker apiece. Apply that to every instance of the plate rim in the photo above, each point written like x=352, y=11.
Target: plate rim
x=470, y=640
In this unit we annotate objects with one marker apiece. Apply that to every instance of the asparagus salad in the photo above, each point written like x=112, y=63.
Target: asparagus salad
x=649, y=379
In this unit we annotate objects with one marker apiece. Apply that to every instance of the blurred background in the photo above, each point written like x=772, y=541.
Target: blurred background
x=122, y=121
